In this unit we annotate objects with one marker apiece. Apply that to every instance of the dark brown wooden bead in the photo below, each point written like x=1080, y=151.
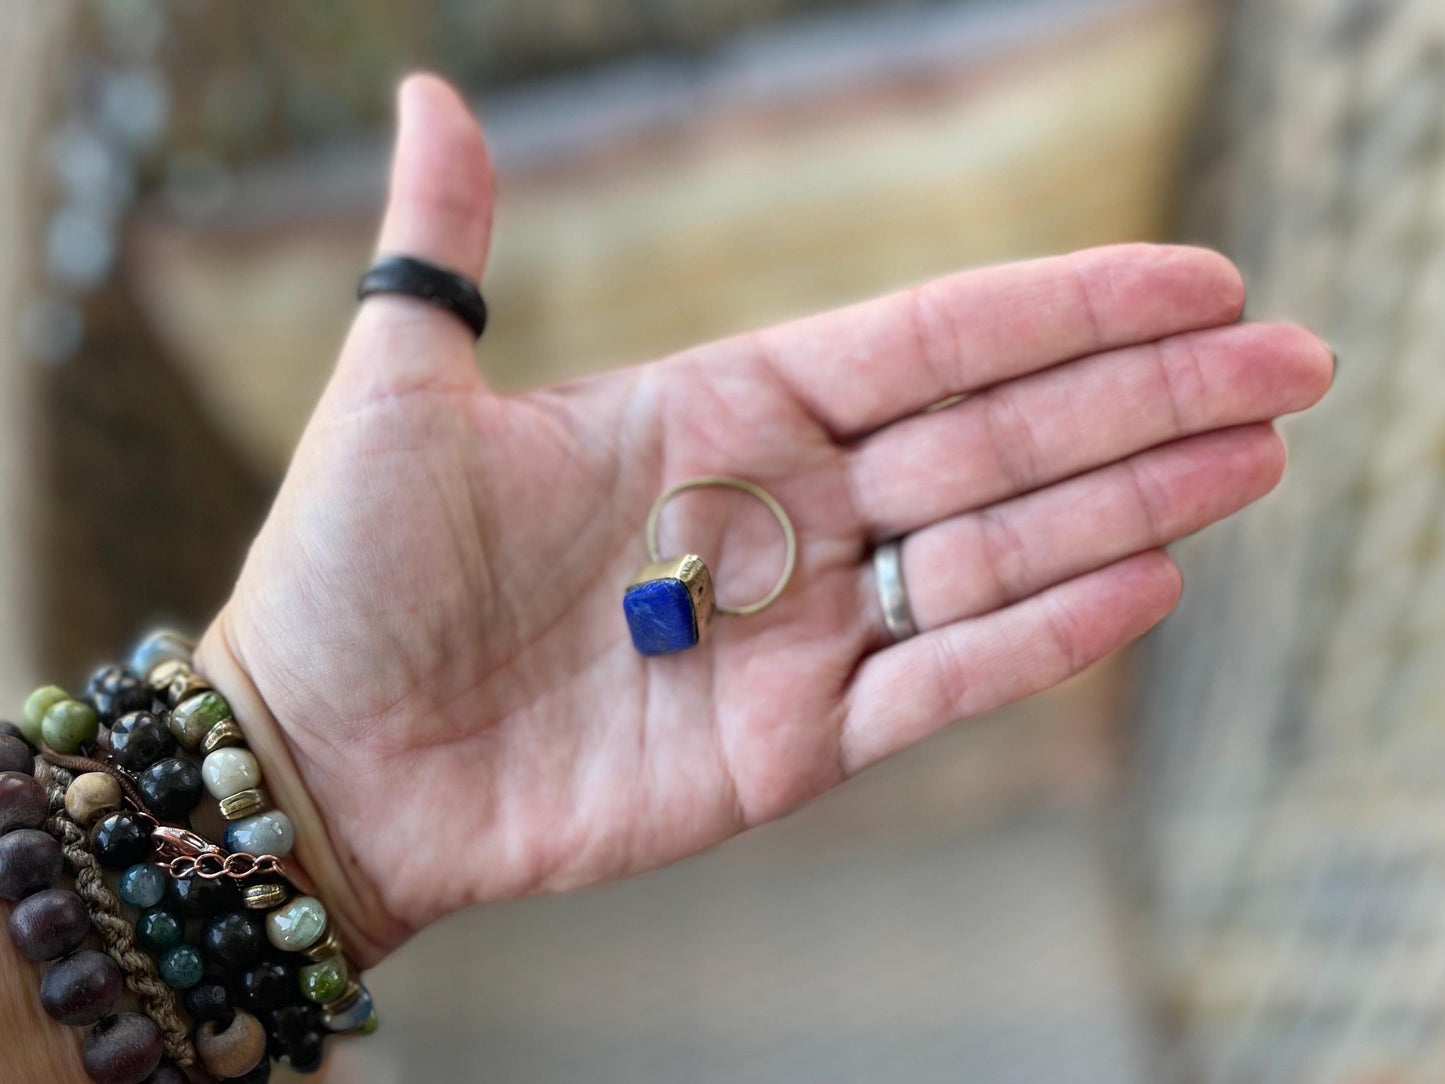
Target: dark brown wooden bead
x=23, y=803
x=122, y=1049
x=49, y=924
x=29, y=861
x=82, y=988
x=10, y=730
x=15, y=755
x=167, y=1074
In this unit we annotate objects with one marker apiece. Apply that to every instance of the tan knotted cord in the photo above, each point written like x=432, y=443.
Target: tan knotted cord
x=158, y=1000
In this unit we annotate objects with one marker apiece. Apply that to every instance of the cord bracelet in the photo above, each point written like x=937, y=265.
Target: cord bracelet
x=111, y=784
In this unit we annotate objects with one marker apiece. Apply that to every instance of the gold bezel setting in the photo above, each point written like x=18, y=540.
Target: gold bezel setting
x=670, y=605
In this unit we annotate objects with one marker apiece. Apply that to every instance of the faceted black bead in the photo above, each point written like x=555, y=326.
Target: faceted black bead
x=120, y=840
x=80, y=989
x=236, y=938
x=114, y=691
x=259, y=1075
x=16, y=756
x=167, y=1073
x=208, y=1000
x=267, y=986
x=305, y=1053
x=29, y=861
x=49, y=924
x=10, y=730
x=122, y=1049
x=139, y=739
x=293, y=1021
x=196, y=897
x=171, y=787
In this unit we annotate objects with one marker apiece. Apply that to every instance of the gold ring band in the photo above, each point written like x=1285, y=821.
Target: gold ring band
x=722, y=481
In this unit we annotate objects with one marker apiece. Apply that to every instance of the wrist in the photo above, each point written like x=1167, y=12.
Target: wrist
x=36, y=1047
x=352, y=899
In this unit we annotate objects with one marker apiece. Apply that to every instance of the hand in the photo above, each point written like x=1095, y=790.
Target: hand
x=432, y=612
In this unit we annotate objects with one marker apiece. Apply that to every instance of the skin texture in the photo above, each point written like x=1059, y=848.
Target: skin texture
x=428, y=629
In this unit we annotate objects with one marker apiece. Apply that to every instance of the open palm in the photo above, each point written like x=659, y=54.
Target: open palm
x=432, y=611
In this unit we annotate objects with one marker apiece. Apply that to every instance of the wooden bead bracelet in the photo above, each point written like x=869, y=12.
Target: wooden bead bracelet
x=262, y=973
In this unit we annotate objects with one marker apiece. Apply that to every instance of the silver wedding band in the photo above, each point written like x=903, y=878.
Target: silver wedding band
x=892, y=594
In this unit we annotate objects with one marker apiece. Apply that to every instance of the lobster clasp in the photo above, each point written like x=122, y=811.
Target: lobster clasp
x=174, y=842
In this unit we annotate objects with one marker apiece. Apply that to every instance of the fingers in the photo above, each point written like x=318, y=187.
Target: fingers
x=906, y=692
x=439, y=209
x=862, y=367
x=979, y=562
x=1036, y=430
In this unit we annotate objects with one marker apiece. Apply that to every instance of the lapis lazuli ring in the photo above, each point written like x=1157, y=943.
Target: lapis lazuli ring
x=670, y=602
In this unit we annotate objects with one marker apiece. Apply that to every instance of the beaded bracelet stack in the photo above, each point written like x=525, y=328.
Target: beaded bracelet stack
x=49, y=924
x=262, y=973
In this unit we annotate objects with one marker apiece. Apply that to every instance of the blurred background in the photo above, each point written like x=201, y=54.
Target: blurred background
x=1216, y=859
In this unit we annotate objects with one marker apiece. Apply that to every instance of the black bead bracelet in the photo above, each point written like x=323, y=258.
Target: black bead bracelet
x=261, y=974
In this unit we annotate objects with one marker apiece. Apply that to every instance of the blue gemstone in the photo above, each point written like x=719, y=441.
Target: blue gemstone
x=351, y=1018
x=263, y=833
x=157, y=648
x=660, y=617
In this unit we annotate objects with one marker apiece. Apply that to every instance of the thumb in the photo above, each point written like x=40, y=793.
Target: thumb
x=440, y=207
x=440, y=210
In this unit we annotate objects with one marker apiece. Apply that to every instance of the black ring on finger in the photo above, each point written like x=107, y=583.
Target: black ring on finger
x=439, y=286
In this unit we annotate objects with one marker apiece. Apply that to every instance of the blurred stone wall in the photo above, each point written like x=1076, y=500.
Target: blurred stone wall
x=643, y=210
x=30, y=37
x=1291, y=757
x=273, y=75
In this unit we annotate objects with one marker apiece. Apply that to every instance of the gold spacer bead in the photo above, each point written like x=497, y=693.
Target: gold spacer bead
x=185, y=686
x=225, y=733
x=328, y=946
x=263, y=897
x=163, y=673
x=346, y=1000
x=174, y=680
x=242, y=804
